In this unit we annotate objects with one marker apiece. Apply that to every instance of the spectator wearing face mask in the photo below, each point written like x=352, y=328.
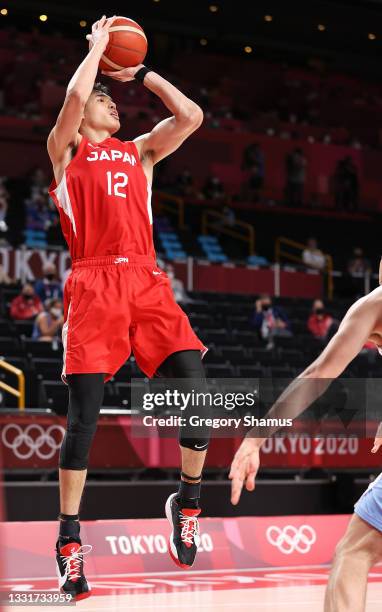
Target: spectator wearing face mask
x=48, y=287
x=320, y=321
x=49, y=323
x=27, y=305
x=270, y=321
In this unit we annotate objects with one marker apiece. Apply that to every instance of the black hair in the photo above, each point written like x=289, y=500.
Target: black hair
x=100, y=88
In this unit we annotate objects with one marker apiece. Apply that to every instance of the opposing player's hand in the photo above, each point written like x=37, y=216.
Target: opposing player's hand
x=244, y=468
x=377, y=440
x=100, y=32
x=127, y=74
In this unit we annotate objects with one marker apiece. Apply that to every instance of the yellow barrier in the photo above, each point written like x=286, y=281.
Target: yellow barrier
x=280, y=253
x=171, y=204
x=20, y=393
x=249, y=230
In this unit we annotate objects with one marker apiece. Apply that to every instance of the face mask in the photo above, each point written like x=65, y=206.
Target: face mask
x=27, y=296
x=319, y=311
x=266, y=306
x=49, y=277
x=56, y=312
x=171, y=275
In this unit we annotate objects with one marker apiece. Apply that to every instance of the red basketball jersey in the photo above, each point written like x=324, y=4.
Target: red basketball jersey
x=104, y=201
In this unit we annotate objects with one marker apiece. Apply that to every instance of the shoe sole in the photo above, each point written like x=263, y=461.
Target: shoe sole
x=170, y=545
x=79, y=596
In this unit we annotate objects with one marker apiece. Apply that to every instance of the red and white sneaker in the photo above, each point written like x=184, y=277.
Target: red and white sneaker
x=185, y=536
x=70, y=569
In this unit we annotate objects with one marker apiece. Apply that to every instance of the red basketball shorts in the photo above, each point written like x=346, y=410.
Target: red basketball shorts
x=117, y=304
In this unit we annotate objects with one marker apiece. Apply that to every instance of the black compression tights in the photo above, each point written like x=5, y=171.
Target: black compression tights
x=85, y=400
x=188, y=365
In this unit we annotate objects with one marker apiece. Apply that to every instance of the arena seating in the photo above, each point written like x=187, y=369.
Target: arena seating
x=222, y=321
x=212, y=249
x=168, y=238
x=321, y=105
x=329, y=118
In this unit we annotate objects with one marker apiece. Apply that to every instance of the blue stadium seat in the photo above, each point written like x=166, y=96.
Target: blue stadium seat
x=217, y=258
x=168, y=235
x=172, y=255
x=207, y=239
x=35, y=238
x=257, y=260
x=212, y=248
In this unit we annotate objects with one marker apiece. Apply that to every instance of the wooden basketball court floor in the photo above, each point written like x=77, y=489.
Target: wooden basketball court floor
x=293, y=589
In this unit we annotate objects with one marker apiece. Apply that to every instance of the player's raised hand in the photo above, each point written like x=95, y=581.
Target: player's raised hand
x=126, y=74
x=244, y=468
x=100, y=32
x=377, y=440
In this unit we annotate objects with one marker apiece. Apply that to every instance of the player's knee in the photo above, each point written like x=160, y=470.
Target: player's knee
x=187, y=367
x=76, y=445
x=195, y=434
x=81, y=429
x=340, y=551
x=357, y=550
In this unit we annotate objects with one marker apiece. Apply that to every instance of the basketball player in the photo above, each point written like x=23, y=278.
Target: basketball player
x=361, y=546
x=116, y=298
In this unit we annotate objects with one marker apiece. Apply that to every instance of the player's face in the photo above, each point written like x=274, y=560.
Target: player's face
x=101, y=113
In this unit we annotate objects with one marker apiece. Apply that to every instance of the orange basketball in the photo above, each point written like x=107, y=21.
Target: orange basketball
x=127, y=45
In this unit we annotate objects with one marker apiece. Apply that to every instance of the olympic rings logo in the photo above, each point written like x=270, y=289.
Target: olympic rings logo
x=290, y=539
x=13, y=437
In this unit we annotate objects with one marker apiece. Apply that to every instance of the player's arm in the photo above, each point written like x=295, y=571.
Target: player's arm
x=65, y=132
x=378, y=439
x=378, y=436
x=169, y=134
x=352, y=334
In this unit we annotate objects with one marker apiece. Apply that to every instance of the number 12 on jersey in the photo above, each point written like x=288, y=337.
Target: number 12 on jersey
x=114, y=184
x=119, y=180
